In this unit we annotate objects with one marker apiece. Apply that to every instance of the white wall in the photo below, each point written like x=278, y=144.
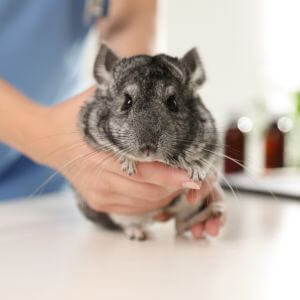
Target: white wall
x=281, y=52
x=226, y=34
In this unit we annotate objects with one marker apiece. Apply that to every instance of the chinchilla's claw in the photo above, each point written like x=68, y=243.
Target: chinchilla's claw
x=128, y=166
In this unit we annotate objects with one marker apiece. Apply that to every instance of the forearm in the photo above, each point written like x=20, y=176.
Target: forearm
x=45, y=134
x=20, y=119
x=131, y=26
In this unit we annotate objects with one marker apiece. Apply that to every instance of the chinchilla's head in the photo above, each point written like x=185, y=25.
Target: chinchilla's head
x=153, y=112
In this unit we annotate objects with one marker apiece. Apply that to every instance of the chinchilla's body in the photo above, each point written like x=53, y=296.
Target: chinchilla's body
x=146, y=108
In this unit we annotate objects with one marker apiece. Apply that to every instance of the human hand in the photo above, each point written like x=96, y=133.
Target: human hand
x=210, y=191
x=97, y=176
x=212, y=226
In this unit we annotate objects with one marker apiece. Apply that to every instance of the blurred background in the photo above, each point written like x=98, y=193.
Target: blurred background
x=250, y=50
x=251, y=53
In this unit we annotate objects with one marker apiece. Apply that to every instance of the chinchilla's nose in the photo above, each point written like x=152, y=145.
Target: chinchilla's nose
x=147, y=139
x=148, y=149
x=148, y=129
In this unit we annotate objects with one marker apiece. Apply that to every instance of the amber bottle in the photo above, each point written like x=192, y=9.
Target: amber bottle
x=274, y=146
x=234, y=149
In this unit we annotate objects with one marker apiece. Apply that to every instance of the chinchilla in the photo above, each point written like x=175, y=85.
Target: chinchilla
x=147, y=108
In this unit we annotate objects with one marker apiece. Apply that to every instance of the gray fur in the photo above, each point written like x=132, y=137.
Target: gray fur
x=149, y=130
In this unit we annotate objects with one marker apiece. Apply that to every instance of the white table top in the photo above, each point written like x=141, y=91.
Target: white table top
x=48, y=251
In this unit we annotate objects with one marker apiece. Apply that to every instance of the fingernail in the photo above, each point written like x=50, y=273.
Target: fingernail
x=192, y=185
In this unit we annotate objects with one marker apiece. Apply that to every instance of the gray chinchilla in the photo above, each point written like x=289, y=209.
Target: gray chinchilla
x=146, y=108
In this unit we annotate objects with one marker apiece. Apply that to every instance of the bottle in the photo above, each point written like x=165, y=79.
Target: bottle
x=234, y=148
x=274, y=145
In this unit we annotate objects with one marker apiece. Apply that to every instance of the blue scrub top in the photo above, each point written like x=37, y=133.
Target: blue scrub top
x=40, y=45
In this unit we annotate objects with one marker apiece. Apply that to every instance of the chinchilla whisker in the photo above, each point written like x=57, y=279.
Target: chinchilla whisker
x=177, y=139
x=103, y=149
x=94, y=169
x=73, y=163
x=222, y=155
x=247, y=169
x=98, y=168
x=225, y=146
x=112, y=155
x=65, y=147
x=60, y=170
x=234, y=151
x=66, y=165
x=72, y=146
x=204, y=161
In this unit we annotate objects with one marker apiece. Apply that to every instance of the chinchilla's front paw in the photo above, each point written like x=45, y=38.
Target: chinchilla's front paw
x=196, y=173
x=128, y=166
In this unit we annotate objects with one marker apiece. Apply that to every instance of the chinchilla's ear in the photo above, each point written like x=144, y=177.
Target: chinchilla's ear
x=193, y=63
x=104, y=63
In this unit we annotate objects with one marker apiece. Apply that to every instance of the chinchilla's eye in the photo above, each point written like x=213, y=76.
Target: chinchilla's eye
x=128, y=102
x=172, y=103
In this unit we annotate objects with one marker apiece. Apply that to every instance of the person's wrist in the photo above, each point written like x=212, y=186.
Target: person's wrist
x=34, y=132
x=60, y=136
x=57, y=140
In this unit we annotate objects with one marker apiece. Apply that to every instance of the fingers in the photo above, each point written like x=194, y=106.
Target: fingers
x=124, y=185
x=211, y=227
x=123, y=204
x=198, y=231
x=154, y=172
x=119, y=204
x=160, y=174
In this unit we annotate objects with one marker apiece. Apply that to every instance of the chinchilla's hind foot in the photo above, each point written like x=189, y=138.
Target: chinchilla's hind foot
x=135, y=232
